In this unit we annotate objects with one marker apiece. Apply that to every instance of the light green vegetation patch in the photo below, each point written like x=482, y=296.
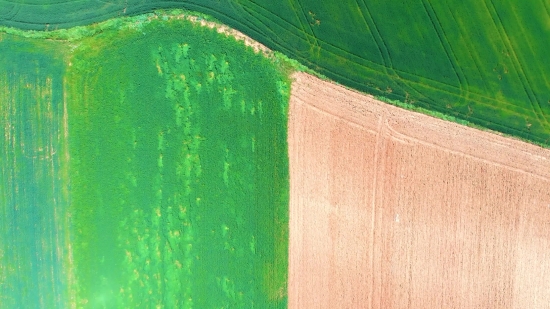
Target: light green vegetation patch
x=169, y=165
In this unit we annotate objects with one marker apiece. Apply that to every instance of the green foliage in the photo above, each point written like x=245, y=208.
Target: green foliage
x=479, y=61
x=180, y=168
x=169, y=186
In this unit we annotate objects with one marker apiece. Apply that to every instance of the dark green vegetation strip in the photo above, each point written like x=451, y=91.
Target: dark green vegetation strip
x=164, y=144
x=479, y=61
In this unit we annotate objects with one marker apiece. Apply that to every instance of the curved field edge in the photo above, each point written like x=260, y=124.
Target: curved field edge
x=175, y=165
x=484, y=67
x=78, y=32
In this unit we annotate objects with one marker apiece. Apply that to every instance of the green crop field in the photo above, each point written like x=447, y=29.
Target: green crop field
x=33, y=203
x=141, y=167
x=478, y=61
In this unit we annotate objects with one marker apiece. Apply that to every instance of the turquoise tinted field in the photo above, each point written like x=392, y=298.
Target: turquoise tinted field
x=479, y=61
x=33, y=202
x=145, y=166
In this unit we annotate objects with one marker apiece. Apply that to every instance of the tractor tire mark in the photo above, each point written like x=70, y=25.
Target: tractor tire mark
x=373, y=64
x=253, y=15
x=384, y=50
x=436, y=24
x=283, y=23
x=315, y=47
x=497, y=21
x=396, y=72
x=384, y=57
x=546, y=4
x=431, y=102
x=521, y=70
x=11, y=12
x=304, y=30
x=474, y=59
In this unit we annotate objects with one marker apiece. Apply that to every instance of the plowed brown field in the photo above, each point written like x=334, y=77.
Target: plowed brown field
x=395, y=209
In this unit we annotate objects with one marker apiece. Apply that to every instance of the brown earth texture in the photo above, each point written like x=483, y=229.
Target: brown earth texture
x=394, y=209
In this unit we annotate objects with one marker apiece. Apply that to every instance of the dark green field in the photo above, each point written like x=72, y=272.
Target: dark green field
x=141, y=167
x=480, y=61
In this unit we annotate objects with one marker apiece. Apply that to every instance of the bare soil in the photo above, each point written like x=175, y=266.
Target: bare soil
x=223, y=29
x=394, y=209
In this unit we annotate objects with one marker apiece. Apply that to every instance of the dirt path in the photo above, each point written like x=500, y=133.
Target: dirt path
x=395, y=209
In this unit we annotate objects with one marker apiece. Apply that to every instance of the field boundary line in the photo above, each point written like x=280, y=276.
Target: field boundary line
x=494, y=124
x=406, y=81
x=440, y=90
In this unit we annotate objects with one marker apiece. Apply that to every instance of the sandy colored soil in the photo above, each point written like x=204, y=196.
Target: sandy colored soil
x=223, y=29
x=395, y=209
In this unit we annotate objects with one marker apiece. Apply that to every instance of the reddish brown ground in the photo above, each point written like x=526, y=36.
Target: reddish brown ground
x=394, y=209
